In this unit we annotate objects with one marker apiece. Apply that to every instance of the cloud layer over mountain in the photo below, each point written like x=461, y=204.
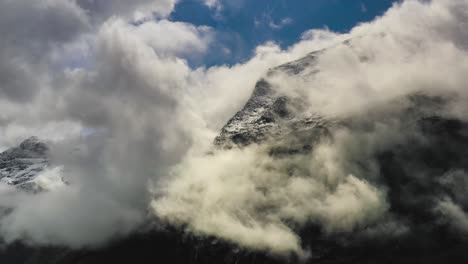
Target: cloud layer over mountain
x=108, y=84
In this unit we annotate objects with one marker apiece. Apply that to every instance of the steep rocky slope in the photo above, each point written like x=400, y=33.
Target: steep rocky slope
x=270, y=113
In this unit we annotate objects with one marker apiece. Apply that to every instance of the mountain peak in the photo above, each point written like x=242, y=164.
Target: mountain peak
x=35, y=145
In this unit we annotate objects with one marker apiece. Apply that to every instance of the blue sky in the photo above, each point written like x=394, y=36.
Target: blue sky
x=241, y=25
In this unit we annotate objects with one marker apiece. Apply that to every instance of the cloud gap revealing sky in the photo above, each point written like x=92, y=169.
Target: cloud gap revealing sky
x=242, y=25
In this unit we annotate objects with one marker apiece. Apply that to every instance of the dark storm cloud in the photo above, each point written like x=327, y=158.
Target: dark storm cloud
x=29, y=30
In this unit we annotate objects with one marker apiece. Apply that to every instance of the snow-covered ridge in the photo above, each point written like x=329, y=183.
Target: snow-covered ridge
x=270, y=113
x=21, y=165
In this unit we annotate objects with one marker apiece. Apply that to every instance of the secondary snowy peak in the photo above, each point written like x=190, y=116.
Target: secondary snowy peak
x=29, y=148
x=20, y=165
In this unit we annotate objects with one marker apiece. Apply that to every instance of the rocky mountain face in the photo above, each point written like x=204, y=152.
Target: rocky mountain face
x=433, y=145
x=271, y=114
x=19, y=166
